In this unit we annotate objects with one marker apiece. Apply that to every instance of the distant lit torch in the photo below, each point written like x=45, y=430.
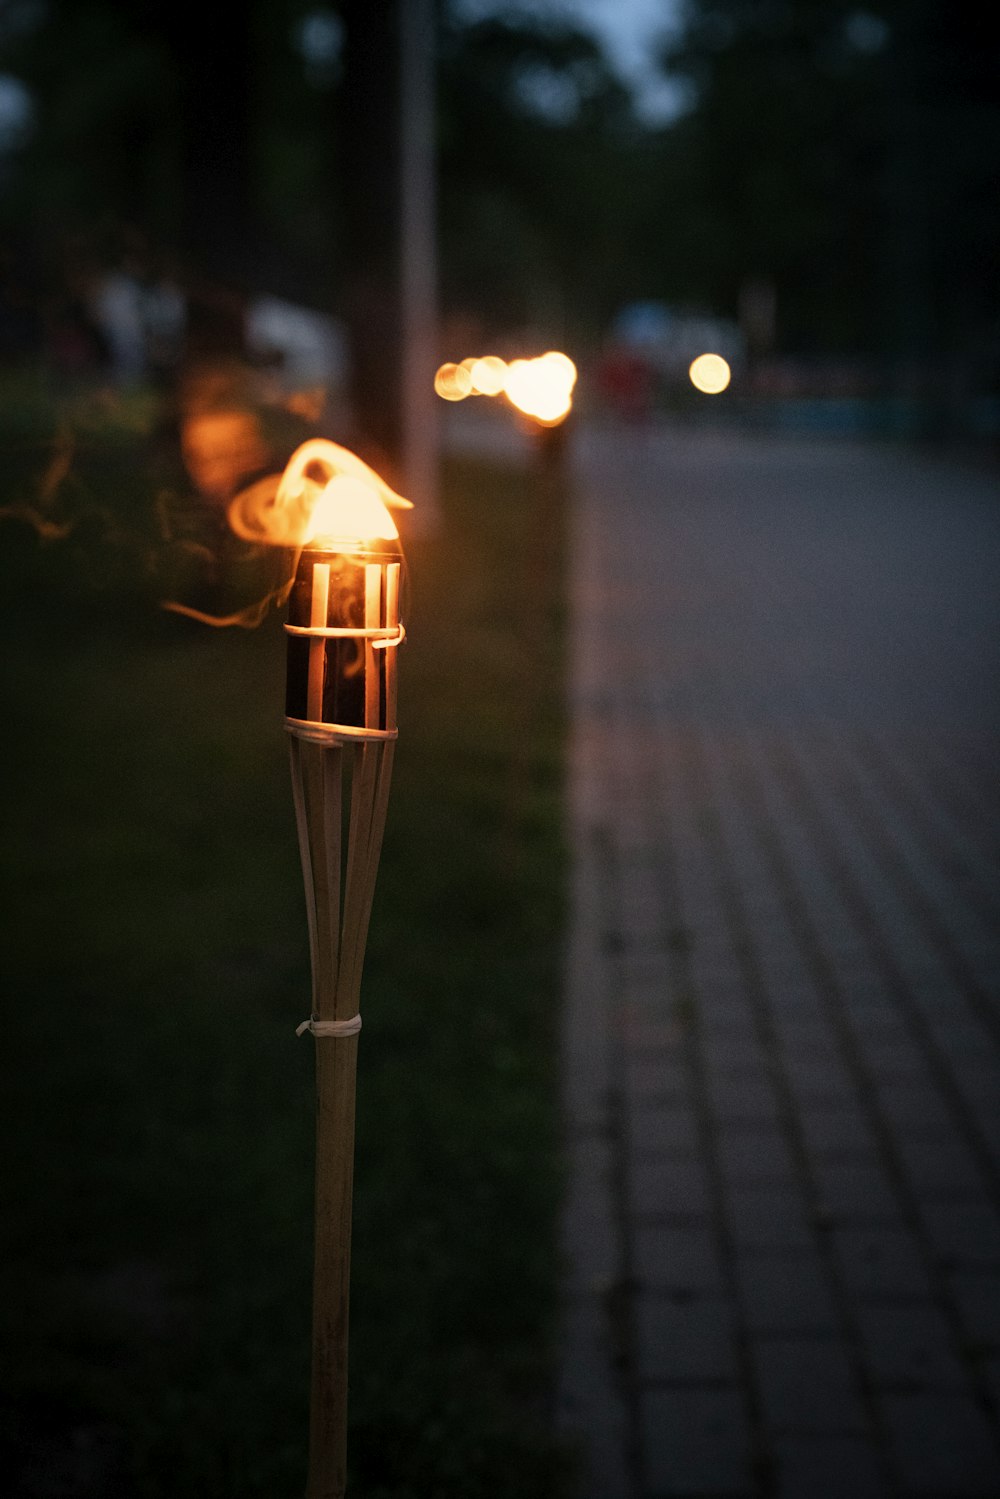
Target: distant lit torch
x=344, y=630
x=540, y=389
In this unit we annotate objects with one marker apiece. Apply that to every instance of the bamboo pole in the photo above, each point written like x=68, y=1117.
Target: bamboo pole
x=336, y=1074
x=338, y=933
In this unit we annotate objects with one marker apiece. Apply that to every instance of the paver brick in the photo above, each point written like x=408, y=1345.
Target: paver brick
x=820, y=1080
x=724, y=1052
x=805, y=1041
x=963, y=1233
x=668, y=1187
x=881, y=1262
x=856, y=1189
x=695, y=1442
x=683, y=1340
x=837, y=1131
x=678, y=1258
x=896, y=1055
x=589, y=1232
x=586, y=1388
x=755, y=1155
x=807, y=1385
x=941, y=1444
x=656, y=1129
x=661, y=1078
x=823, y=1467
x=768, y=1218
x=743, y=1098
x=912, y=1109
x=786, y=1293
x=977, y=1295
x=941, y=1166
x=909, y=1346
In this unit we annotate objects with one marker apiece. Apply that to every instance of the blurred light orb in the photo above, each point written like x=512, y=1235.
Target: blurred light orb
x=488, y=375
x=562, y=367
x=542, y=388
x=453, y=382
x=710, y=374
x=220, y=448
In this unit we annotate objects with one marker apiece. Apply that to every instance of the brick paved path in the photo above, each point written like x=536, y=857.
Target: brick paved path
x=782, y=1036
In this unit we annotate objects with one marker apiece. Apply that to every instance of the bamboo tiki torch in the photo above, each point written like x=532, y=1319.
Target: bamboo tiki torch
x=344, y=630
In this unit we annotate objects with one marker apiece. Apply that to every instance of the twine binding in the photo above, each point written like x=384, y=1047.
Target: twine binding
x=330, y=1027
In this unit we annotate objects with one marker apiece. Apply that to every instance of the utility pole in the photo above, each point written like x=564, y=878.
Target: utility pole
x=419, y=257
x=387, y=164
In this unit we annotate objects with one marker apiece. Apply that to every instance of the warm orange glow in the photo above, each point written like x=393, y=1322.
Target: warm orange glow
x=488, y=375
x=318, y=497
x=710, y=374
x=542, y=388
x=561, y=363
x=220, y=448
x=453, y=382
x=347, y=514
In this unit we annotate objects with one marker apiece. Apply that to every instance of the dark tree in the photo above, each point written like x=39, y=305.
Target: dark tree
x=848, y=155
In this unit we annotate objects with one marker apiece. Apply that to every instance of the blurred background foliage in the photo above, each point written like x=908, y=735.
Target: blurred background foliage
x=845, y=154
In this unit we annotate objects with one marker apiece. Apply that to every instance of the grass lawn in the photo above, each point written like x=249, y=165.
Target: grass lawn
x=158, y=1106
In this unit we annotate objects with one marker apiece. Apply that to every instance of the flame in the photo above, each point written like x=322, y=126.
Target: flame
x=280, y=511
x=710, y=374
x=348, y=513
x=344, y=508
x=542, y=388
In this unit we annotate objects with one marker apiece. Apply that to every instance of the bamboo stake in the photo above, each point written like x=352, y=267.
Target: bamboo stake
x=336, y=1074
x=317, y=648
x=392, y=654
x=332, y=730
x=317, y=789
x=364, y=781
x=337, y=941
x=373, y=611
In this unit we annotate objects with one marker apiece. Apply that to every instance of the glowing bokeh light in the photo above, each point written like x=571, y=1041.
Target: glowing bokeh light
x=563, y=364
x=453, y=382
x=220, y=448
x=542, y=388
x=710, y=374
x=488, y=375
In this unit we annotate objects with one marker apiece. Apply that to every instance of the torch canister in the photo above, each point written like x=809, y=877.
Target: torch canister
x=343, y=631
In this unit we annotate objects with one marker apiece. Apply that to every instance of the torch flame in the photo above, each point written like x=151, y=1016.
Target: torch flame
x=347, y=514
x=342, y=509
x=283, y=512
x=542, y=388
